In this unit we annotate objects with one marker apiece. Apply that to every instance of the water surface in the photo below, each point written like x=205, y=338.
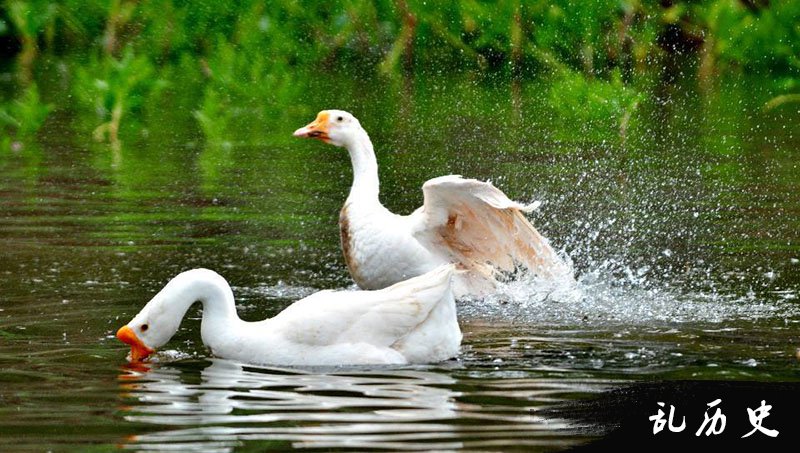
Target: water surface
x=684, y=238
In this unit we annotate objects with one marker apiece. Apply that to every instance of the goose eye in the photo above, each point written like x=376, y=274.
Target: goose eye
x=339, y=119
x=144, y=327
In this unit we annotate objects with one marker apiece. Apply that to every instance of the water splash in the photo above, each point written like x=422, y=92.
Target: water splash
x=280, y=290
x=614, y=293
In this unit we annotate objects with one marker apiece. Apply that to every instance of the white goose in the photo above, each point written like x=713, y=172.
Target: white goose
x=463, y=221
x=411, y=322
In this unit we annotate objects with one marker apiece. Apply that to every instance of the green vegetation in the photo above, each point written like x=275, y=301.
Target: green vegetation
x=239, y=63
x=30, y=20
x=22, y=117
x=113, y=87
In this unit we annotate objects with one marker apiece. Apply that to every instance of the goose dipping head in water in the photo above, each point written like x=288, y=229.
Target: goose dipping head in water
x=411, y=322
x=463, y=221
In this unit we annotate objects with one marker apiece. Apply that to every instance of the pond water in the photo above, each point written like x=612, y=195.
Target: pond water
x=685, y=238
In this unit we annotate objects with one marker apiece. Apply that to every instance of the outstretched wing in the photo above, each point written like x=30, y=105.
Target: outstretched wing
x=380, y=318
x=476, y=225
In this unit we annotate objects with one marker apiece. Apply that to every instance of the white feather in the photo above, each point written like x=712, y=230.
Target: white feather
x=410, y=322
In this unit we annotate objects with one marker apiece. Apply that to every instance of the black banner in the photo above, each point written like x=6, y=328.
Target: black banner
x=671, y=414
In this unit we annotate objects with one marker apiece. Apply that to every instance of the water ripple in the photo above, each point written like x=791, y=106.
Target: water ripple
x=397, y=409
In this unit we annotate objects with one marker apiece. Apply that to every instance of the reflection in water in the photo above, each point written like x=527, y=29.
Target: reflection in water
x=335, y=408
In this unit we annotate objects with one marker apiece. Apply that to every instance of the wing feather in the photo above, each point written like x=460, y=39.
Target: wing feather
x=476, y=225
x=380, y=318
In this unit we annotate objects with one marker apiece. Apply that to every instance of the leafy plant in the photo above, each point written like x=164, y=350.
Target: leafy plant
x=25, y=115
x=30, y=18
x=214, y=118
x=602, y=109
x=115, y=87
x=243, y=82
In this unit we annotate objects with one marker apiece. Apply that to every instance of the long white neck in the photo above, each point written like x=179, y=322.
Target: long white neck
x=197, y=285
x=366, y=185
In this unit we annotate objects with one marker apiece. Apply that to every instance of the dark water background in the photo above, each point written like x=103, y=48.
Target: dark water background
x=685, y=237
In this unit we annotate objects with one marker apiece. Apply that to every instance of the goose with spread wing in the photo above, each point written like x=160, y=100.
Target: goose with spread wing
x=463, y=221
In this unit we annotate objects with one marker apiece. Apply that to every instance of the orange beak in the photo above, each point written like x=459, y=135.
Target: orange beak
x=138, y=349
x=317, y=129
